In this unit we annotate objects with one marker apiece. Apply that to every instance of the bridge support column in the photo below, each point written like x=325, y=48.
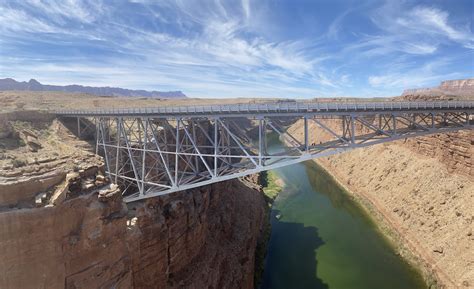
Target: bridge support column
x=176, y=158
x=261, y=140
x=78, y=127
x=216, y=143
x=352, y=130
x=96, y=120
x=394, y=125
x=306, y=136
x=117, y=156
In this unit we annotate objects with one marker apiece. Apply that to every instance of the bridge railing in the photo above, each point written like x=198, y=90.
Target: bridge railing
x=274, y=107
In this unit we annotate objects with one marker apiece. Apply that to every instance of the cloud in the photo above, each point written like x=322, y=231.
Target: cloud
x=405, y=77
x=223, y=48
x=419, y=29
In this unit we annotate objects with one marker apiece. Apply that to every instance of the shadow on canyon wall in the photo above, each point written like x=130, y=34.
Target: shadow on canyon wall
x=323, y=182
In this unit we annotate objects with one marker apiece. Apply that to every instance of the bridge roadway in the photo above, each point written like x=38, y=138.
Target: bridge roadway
x=155, y=151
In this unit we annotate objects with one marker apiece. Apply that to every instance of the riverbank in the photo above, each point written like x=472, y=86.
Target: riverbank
x=387, y=226
x=425, y=210
x=271, y=185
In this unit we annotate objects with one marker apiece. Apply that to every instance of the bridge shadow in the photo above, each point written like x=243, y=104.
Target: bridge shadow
x=87, y=128
x=291, y=260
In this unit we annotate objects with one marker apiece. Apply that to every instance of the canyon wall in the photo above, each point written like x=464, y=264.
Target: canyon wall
x=203, y=239
x=449, y=89
x=421, y=191
x=64, y=225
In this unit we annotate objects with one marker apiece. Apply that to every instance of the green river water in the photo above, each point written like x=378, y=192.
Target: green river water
x=323, y=239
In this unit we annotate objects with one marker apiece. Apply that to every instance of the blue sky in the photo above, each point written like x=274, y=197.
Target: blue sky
x=241, y=48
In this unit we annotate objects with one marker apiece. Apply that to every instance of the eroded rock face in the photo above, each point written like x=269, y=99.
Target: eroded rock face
x=455, y=150
x=200, y=239
x=78, y=244
x=205, y=238
x=447, y=90
x=460, y=84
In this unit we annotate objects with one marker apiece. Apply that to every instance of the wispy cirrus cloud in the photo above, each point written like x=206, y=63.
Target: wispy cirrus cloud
x=230, y=48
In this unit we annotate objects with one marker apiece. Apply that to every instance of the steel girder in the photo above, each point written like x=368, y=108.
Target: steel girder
x=151, y=156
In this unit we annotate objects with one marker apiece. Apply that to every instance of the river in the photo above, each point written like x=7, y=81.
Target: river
x=322, y=239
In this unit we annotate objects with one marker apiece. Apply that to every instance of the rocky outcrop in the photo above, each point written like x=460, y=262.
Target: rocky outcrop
x=79, y=243
x=460, y=84
x=454, y=150
x=447, y=90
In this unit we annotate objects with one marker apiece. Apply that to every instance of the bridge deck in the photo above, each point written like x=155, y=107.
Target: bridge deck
x=156, y=151
x=285, y=108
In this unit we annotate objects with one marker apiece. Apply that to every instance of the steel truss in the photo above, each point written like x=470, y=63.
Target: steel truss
x=151, y=156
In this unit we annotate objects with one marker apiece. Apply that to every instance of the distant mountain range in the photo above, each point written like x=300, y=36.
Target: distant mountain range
x=34, y=85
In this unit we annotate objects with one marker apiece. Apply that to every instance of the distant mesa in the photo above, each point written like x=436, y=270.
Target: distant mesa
x=34, y=85
x=449, y=89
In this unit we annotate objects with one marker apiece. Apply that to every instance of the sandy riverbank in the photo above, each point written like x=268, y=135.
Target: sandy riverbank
x=422, y=208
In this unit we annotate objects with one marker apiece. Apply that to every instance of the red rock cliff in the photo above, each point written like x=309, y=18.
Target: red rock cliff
x=62, y=225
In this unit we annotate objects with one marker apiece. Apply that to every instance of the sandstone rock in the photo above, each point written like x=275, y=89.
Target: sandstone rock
x=25, y=188
x=108, y=193
x=60, y=193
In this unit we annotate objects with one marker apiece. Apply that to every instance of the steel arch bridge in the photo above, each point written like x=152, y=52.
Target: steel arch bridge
x=157, y=151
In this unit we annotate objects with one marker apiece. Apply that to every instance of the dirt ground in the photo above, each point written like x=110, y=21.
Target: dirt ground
x=29, y=100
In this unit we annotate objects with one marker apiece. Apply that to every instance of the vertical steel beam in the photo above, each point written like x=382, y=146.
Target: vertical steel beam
x=352, y=130
x=117, y=154
x=107, y=164
x=306, y=137
x=394, y=125
x=176, y=157
x=260, y=141
x=96, y=120
x=196, y=160
x=78, y=127
x=216, y=145
x=343, y=126
x=130, y=155
x=145, y=140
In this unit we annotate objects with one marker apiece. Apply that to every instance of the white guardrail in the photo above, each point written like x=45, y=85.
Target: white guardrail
x=283, y=107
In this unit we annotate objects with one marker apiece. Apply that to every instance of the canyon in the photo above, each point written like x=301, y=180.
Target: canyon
x=63, y=223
